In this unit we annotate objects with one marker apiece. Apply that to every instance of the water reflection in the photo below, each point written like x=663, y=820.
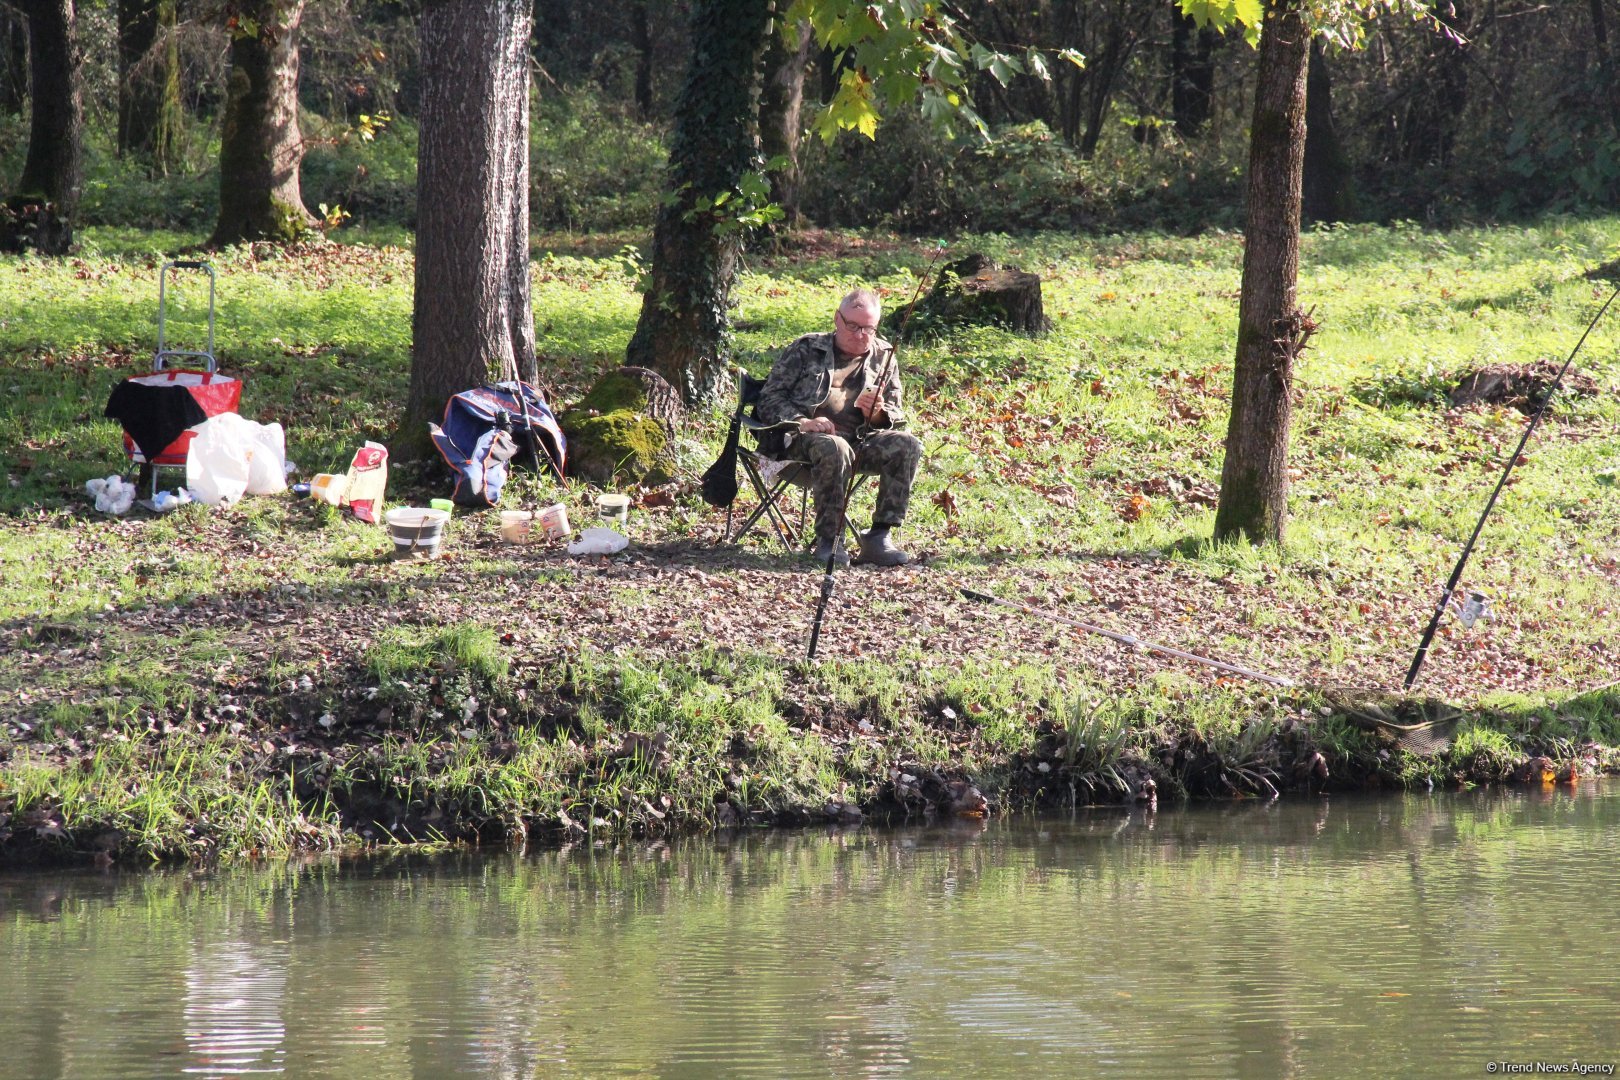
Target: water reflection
x=233, y=1009
x=1419, y=935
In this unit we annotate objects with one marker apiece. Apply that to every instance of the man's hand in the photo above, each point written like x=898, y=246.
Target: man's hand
x=817, y=425
x=869, y=404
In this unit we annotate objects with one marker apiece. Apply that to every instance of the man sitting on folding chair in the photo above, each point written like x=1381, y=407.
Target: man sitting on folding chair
x=843, y=389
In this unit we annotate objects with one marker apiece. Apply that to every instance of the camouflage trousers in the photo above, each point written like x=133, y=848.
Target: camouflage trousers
x=891, y=456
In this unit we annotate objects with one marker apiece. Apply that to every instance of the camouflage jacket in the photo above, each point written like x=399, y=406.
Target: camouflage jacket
x=802, y=376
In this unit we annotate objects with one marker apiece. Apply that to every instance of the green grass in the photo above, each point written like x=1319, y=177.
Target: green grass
x=1046, y=458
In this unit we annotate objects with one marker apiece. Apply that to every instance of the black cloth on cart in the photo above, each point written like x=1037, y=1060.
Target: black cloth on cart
x=153, y=416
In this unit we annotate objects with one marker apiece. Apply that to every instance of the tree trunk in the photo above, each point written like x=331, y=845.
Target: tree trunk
x=149, y=116
x=1329, y=194
x=1605, y=58
x=260, y=145
x=780, y=103
x=683, y=330
x=1192, y=75
x=40, y=214
x=13, y=61
x=1271, y=330
x=1435, y=108
x=472, y=322
x=641, y=38
x=1124, y=32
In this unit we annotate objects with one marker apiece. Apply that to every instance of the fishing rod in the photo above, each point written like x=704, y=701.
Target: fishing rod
x=821, y=605
x=1513, y=459
x=881, y=387
x=1126, y=639
x=883, y=384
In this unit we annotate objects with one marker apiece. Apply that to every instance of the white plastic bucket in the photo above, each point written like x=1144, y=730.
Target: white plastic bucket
x=554, y=522
x=614, y=511
x=515, y=525
x=417, y=531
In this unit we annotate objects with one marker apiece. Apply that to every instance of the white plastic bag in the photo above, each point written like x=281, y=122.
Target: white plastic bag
x=231, y=456
x=217, y=461
x=599, y=542
x=113, y=495
x=267, y=465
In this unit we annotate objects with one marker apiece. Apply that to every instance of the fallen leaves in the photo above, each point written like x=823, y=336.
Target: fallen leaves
x=1133, y=508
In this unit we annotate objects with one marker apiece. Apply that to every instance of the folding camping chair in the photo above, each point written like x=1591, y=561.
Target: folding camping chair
x=158, y=411
x=771, y=478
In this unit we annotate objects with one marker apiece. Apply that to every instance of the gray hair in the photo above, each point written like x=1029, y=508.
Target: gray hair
x=862, y=298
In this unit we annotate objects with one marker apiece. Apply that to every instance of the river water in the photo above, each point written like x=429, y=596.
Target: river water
x=1410, y=936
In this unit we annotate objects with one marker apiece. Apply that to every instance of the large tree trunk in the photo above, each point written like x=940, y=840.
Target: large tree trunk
x=780, y=103
x=149, y=116
x=260, y=145
x=682, y=333
x=40, y=214
x=1329, y=194
x=1271, y=330
x=1192, y=75
x=472, y=322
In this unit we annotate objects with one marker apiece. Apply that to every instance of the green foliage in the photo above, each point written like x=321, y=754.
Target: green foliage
x=369, y=170
x=1342, y=22
x=593, y=165
x=1020, y=178
x=896, y=53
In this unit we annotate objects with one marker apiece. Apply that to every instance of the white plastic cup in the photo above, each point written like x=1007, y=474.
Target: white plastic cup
x=614, y=511
x=516, y=525
x=554, y=522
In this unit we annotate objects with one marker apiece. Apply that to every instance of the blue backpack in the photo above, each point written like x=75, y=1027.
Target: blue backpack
x=484, y=429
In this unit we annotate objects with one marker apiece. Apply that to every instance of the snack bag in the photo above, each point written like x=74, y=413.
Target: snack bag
x=368, y=478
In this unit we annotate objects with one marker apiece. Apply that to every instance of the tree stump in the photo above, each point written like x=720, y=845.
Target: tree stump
x=624, y=428
x=31, y=223
x=974, y=291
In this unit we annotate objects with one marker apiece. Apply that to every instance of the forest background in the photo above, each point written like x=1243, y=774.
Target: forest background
x=1514, y=116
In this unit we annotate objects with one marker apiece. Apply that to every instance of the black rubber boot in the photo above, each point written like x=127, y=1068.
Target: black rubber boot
x=878, y=550
x=825, y=548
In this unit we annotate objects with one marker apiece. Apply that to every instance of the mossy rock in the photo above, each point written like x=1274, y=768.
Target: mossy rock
x=637, y=389
x=622, y=429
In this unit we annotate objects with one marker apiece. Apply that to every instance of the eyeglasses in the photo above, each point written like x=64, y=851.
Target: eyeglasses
x=856, y=328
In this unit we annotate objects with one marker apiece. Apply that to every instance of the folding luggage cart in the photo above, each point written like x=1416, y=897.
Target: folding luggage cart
x=158, y=411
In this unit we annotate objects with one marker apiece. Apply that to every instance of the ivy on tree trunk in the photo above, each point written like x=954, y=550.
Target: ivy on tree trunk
x=1271, y=329
x=260, y=145
x=39, y=215
x=473, y=321
x=683, y=330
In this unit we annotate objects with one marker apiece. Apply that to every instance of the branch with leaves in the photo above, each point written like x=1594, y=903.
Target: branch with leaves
x=890, y=53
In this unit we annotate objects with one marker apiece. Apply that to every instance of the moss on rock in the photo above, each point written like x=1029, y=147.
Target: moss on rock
x=621, y=429
x=622, y=443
